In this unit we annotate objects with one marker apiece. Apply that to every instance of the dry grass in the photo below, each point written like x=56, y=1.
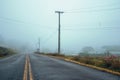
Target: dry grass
x=109, y=64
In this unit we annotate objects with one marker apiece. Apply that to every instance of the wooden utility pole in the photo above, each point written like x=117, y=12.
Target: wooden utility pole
x=39, y=45
x=59, y=31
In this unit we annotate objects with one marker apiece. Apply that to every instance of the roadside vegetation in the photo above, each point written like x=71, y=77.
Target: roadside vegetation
x=6, y=51
x=89, y=57
x=110, y=62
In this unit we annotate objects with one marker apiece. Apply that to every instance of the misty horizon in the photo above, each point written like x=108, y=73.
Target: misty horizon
x=83, y=24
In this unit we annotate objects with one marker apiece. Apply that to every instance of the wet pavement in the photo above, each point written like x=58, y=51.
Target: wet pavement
x=47, y=68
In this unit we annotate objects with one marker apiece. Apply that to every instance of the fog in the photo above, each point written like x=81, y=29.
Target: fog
x=93, y=23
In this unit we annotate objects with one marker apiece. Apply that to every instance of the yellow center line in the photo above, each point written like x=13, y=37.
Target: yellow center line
x=27, y=69
x=30, y=70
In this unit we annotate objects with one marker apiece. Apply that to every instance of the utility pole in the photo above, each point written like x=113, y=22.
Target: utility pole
x=39, y=45
x=59, y=31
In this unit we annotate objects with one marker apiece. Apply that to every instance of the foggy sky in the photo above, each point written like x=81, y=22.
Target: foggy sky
x=85, y=23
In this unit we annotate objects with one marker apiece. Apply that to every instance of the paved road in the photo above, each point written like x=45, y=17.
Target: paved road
x=46, y=68
x=11, y=68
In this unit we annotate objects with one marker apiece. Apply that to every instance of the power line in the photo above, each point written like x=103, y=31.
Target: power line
x=95, y=7
x=94, y=10
x=103, y=28
x=87, y=26
x=49, y=37
x=26, y=23
x=14, y=20
x=18, y=21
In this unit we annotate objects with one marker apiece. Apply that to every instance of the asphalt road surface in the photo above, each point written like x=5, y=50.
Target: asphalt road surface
x=11, y=68
x=48, y=68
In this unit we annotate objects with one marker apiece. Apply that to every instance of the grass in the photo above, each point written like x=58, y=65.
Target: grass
x=109, y=64
x=112, y=63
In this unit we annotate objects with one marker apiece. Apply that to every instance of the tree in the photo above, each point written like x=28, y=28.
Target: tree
x=114, y=48
x=87, y=49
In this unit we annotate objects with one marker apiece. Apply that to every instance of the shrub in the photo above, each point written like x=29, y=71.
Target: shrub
x=76, y=58
x=98, y=63
x=116, y=65
x=111, y=62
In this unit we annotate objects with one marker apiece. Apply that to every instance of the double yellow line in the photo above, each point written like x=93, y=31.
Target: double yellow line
x=27, y=69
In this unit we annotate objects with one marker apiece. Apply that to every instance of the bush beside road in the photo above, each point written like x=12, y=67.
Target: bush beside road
x=6, y=51
x=109, y=64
